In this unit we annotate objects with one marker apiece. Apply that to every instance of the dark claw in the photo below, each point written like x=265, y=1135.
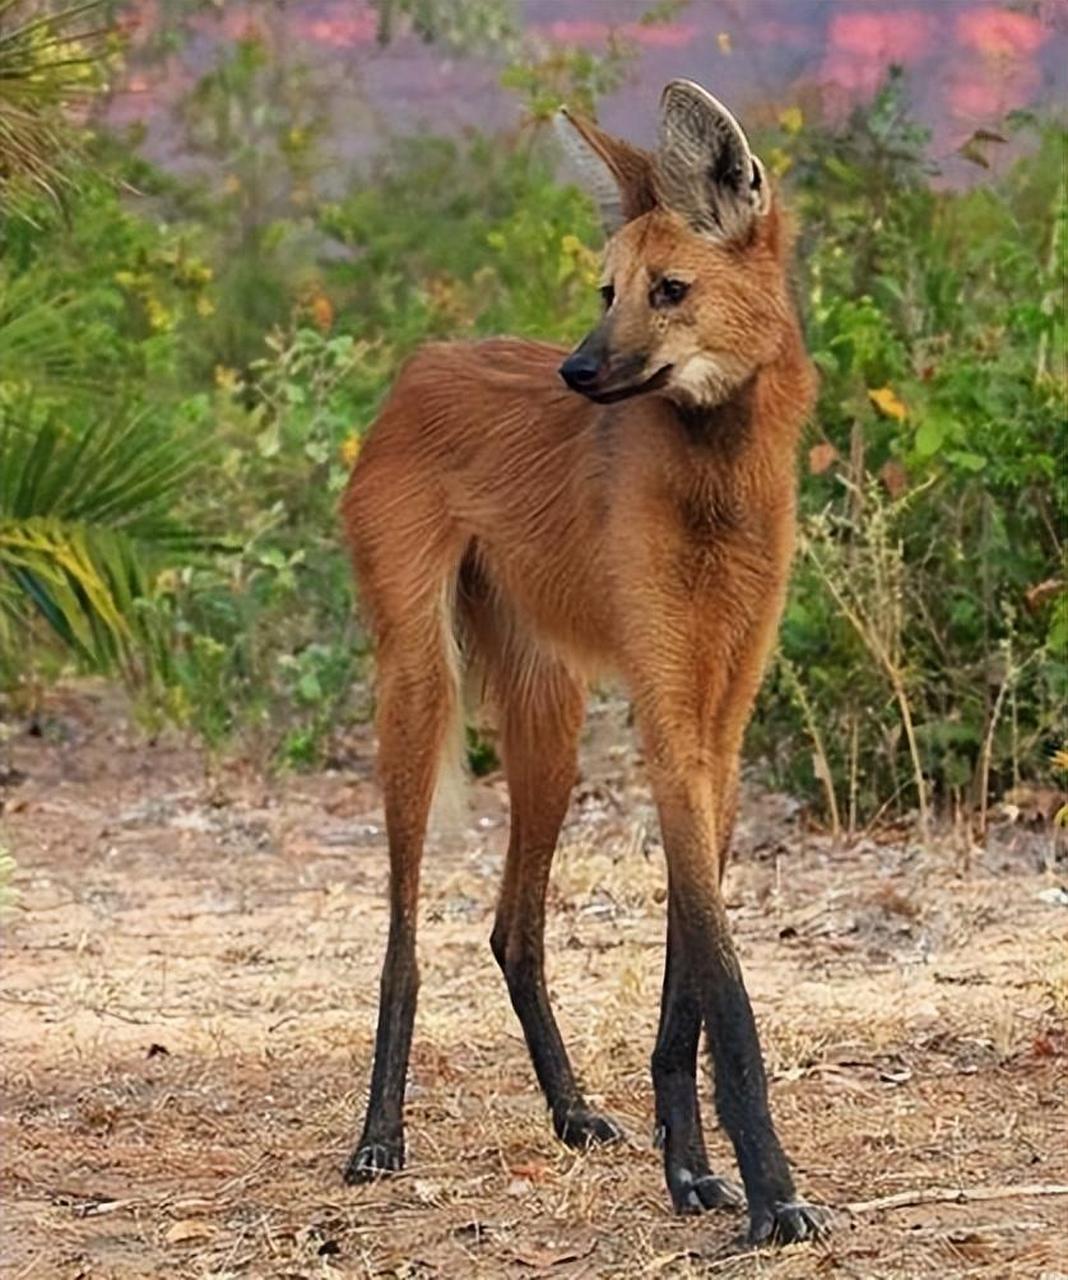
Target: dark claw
x=584, y=1127
x=692, y=1195
x=373, y=1160
x=789, y=1222
x=710, y=1192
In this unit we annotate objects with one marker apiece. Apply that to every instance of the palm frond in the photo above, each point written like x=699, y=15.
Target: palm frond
x=38, y=347
x=50, y=59
x=87, y=520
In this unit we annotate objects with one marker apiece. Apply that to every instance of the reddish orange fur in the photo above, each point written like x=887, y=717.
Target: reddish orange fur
x=554, y=537
x=592, y=538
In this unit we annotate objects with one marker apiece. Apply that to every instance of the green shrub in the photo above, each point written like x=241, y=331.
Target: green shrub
x=185, y=378
x=936, y=501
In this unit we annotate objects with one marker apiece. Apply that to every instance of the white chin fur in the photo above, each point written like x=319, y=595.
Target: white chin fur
x=707, y=379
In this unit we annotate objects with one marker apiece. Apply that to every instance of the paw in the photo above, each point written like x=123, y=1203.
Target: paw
x=789, y=1222
x=373, y=1160
x=583, y=1127
x=693, y=1193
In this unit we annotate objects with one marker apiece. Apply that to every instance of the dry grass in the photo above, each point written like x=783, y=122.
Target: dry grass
x=914, y=1025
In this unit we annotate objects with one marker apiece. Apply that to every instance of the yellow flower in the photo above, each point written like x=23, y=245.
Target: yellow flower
x=887, y=402
x=724, y=42
x=322, y=312
x=446, y=295
x=196, y=272
x=791, y=119
x=159, y=318
x=585, y=262
x=350, y=450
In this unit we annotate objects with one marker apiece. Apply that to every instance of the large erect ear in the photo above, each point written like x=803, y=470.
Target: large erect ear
x=705, y=170
x=619, y=177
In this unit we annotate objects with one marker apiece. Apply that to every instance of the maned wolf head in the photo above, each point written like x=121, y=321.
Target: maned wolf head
x=694, y=285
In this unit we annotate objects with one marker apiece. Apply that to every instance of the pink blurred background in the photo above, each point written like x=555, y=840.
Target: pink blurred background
x=967, y=63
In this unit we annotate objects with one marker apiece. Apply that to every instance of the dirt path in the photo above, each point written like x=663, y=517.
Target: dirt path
x=188, y=989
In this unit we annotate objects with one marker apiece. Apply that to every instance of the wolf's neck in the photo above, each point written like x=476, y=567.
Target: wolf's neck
x=721, y=429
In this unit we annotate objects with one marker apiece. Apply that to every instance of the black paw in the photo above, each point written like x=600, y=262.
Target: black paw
x=698, y=1192
x=583, y=1127
x=788, y=1222
x=372, y=1160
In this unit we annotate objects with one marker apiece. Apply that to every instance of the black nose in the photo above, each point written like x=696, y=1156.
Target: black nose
x=580, y=371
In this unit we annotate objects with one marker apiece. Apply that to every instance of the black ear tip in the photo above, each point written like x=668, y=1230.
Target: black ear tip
x=688, y=98
x=675, y=86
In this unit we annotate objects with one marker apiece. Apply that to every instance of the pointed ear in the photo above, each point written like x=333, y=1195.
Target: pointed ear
x=705, y=169
x=619, y=177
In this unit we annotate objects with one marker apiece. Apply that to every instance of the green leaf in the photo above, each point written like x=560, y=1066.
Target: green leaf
x=966, y=461
x=931, y=434
x=309, y=688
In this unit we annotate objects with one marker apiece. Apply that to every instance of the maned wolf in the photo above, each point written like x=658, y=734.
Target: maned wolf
x=629, y=507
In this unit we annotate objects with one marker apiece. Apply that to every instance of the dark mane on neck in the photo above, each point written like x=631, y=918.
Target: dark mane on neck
x=724, y=427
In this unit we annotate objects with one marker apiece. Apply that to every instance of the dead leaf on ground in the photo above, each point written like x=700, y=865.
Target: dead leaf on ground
x=892, y=900
x=533, y=1172
x=1050, y=1044
x=543, y=1258
x=968, y=1245
x=186, y=1230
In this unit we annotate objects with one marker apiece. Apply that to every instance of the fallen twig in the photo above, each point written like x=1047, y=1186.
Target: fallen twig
x=717, y=1264
x=959, y=1195
x=952, y=1234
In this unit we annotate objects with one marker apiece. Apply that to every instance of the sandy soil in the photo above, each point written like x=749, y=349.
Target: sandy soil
x=188, y=991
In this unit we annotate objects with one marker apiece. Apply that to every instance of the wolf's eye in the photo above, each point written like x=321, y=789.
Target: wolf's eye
x=669, y=292
x=608, y=295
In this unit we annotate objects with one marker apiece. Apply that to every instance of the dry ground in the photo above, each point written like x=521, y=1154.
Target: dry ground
x=188, y=994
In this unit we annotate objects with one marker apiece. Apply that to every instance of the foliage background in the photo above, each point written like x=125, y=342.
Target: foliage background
x=188, y=363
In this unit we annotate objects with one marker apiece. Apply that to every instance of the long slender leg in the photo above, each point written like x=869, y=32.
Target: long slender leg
x=692, y=1185
x=541, y=705
x=684, y=796
x=415, y=705
x=693, y=685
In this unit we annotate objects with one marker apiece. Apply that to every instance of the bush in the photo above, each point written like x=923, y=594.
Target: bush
x=925, y=604
x=239, y=354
